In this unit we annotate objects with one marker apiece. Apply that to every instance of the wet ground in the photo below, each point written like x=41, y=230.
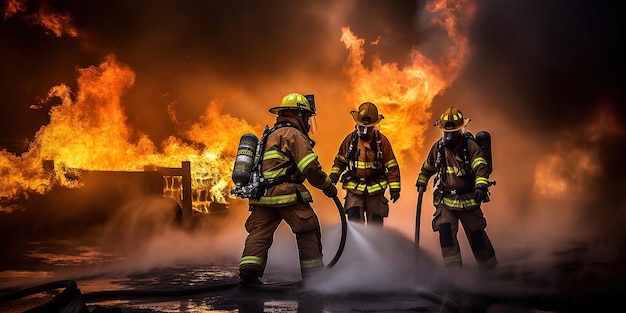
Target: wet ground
x=176, y=272
x=569, y=286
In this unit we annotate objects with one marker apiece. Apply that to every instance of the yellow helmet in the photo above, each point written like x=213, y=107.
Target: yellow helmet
x=452, y=120
x=295, y=101
x=367, y=114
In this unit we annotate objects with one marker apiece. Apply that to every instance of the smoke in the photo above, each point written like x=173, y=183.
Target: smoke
x=377, y=259
x=544, y=79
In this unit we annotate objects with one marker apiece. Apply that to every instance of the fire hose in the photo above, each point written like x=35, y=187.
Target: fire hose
x=344, y=232
x=71, y=295
x=71, y=299
x=285, y=286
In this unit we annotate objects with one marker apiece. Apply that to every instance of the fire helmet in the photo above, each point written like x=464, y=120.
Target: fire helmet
x=295, y=101
x=452, y=120
x=367, y=114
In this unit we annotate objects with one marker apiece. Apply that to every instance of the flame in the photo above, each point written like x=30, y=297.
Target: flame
x=574, y=161
x=90, y=133
x=13, y=7
x=88, y=130
x=404, y=95
x=57, y=23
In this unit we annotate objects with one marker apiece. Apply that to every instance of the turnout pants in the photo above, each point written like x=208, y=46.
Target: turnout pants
x=365, y=207
x=446, y=222
x=263, y=222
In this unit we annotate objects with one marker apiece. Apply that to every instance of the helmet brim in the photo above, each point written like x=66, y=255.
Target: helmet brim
x=274, y=110
x=355, y=117
x=460, y=126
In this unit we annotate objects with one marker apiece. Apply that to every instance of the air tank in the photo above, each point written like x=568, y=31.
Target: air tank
x=483, y=139
x=245, y=159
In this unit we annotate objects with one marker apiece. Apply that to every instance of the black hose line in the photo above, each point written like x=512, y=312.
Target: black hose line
x=161, y=293
x=288, y=286
x=124, y=294
x=344, y=232
x=71, y=291
x=37, y=289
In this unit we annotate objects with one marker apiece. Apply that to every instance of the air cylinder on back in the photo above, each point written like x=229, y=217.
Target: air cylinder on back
x=245, y=159
x=483, y=139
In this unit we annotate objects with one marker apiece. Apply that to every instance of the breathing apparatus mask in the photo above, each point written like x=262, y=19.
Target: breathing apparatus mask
x=364, y=131
x=309, y=121
x=366, y=118
x=451, y=139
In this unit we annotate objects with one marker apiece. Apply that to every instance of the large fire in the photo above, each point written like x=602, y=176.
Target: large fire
x=88, y=130
x=406, y=94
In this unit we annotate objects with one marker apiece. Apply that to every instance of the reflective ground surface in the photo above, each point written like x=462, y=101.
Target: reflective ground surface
x=568, y=286
x=134, y=269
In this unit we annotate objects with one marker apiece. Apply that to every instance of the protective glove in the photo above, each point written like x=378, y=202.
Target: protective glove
x=334, y=178
x=395, y=195
x=421, y=188
x=480, y=195
x=330, y=191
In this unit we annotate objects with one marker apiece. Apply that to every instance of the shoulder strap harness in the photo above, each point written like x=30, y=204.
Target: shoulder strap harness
x=264, y=183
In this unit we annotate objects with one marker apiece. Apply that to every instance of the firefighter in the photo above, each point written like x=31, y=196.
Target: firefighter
x=461, y=185
x=367, y=166
x=287, y=161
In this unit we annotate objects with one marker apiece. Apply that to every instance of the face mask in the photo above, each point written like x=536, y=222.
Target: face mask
x=309, y=122
x=451, y=138
x=364, y=132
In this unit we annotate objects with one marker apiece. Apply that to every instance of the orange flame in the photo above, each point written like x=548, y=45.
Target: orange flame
x=88, y=129
x=570, y=166
x=90, y=133
x=404, y=96
x=57, y=23
x=12, y=7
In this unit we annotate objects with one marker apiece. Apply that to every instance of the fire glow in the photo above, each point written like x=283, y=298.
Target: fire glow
x=88, y=130
x=406, y=94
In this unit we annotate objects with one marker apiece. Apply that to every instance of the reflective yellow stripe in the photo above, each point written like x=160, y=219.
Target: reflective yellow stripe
x=428, y=167
x=459, y=204
x=394, y=185
x=391, y=163
x=478, y=161
x=274, y=154
x=481, y=181
x=342, y=158
x=250, y=259
x=452, y=259
x=364, y=165
x=311, y=263
x=326, y=183
x=281, y=200
x=354, y=186
x=335, y=170
x=422, y=178
x=451, y=169
x=361, y=187
x=275, y=173
x=377, y=187
x=306, y=160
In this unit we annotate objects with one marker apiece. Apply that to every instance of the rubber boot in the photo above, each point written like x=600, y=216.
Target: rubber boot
x=248, y=277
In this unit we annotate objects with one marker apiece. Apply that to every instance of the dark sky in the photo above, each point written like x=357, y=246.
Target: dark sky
x=170, y=43
x=547, y=74
x=555, y=57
